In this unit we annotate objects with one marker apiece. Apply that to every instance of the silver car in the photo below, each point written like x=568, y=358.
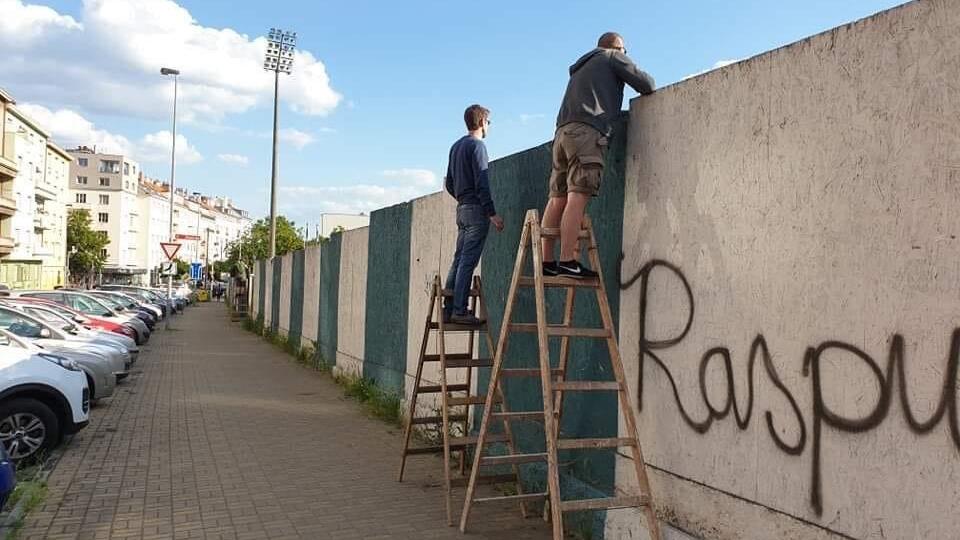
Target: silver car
x=53, y=316
x=101, y=363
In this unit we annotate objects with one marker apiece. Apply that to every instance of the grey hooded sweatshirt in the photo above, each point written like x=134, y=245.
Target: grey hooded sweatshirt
x=595, y=91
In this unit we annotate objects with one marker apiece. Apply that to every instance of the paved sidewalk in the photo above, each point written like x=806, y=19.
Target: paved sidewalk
x=218, y=435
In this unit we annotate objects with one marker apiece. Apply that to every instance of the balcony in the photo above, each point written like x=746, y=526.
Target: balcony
x=8, y=167
x=44, y=221
x=8, y=205
x=6, y=245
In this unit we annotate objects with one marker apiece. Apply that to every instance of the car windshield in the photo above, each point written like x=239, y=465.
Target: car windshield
x=109, y=301
x=19, y=325
x=51, y=318
x=89, y=305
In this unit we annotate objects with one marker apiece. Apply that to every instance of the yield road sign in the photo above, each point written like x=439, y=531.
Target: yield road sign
x=170, y=249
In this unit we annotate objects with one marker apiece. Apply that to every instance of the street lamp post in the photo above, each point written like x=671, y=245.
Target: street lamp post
x=279, y=59
x=173, y=161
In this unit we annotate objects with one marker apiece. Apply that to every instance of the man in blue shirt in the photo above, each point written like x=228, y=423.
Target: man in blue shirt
x=466, y=180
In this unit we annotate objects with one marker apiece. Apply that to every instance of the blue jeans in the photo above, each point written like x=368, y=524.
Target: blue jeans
x=473, y=225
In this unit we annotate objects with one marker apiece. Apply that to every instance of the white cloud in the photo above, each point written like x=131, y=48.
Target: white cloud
x=69, y=128
x=295, y=137
x=526, y=118
x=415, y=177
x=109, y=62
x=301, y=202
x=234, y=159
x=716, y=65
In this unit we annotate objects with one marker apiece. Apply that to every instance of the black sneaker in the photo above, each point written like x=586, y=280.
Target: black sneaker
x=466, y=319
x=575, y=270
x=550, y=268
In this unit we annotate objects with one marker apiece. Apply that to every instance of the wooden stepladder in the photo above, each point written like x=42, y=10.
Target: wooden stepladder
x=554, y=384
x=456, y=401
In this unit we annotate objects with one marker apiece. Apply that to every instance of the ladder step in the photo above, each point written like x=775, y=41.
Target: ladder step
x=451, y=327
x=599, y=504
x=552, y=232
x=456, y=443
x=521, y=415
x=525, y=372
x=586, y=386
x=436, y=388
x=439, y=419
x=513, y=459
x=436, y=357
x=570, y=444
x=469, y=400
x=558, y=330
x=461, y=360
x=489, y=479
x=556, y=281
x=514, y=498
x=448, y=293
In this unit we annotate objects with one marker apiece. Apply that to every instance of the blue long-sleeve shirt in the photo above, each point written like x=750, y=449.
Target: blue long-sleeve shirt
x=466, y=177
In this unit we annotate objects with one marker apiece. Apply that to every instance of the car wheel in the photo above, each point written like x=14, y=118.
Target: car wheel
x=27, y=428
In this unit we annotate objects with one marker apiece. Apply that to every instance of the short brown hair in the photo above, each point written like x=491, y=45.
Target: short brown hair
x=474, y=116
x=609, y=40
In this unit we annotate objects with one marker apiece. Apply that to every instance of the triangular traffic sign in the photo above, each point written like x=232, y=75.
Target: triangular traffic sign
x=170, y=249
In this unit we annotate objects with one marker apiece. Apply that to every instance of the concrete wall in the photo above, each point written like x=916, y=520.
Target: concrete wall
x=352, y=302
x=254, y=285
x=311, y=295
x=802, y=204
x=329, y=299
x=297, y=268
x=286, y=284
x=267, y=289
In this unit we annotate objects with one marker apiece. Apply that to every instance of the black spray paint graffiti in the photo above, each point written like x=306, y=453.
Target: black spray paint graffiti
x=821, y=413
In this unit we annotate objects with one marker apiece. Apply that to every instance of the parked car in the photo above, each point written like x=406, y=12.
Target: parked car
x=8, y=476
x=132, y=302
x=42, y=397
x=122, y=330
x=111, y=301
x=101, y=364
x=92, y=307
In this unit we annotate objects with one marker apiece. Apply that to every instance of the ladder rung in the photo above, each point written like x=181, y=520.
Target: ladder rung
x=470, y=363
x=469, y=400
x=519, y=415
x=439, y=419
x=570, y=444
x=436, y=357
x=513, y=459
x=558, y=330
x=449, y=293
x=489, y=479
x=433, y=389
x=551, y=281
x=586, y=386
x=456, y=443
x=451, y=327
x=549, y=231
x=608, y=503
x=527, y=372
x=514, y=498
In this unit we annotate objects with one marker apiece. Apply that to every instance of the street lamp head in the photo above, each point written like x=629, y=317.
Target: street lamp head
x=169, y=71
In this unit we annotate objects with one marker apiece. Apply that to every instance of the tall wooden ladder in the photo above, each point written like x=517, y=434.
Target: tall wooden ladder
x=456, y=401
x=554, y=384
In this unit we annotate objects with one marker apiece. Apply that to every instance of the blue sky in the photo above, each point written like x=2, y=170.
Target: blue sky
x=382, y=98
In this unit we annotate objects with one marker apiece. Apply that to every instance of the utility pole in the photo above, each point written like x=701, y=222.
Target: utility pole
x=279, y=58
x=173, y=167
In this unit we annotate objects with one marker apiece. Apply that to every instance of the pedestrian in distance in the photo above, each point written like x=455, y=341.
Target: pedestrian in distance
x=466, y=180
x=590, y=105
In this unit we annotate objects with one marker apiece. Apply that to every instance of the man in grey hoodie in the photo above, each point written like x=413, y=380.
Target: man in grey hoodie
x=590, y=105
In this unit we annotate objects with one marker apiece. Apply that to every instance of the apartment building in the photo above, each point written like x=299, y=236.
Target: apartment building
x=8, y=171
x=107, y=185
x=38, y=225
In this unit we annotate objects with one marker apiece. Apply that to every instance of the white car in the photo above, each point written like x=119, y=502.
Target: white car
x=42, y=398
x=54, y=318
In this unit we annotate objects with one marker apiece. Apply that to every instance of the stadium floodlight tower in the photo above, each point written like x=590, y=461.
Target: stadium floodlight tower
x=279, y=59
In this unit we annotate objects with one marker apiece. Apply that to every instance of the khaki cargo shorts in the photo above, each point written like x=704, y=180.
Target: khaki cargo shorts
x=578, y=151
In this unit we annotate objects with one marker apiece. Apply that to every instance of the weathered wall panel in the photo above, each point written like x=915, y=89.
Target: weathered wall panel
x=286, y=290
x=328, y=315
x=296, y=296
x=352, y=301
x=311, y=295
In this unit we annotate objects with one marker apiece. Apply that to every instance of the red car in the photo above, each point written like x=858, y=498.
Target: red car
x=79, y=317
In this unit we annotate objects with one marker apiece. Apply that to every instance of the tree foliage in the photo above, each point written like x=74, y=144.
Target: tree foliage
x=84, y=245
x=255, y=244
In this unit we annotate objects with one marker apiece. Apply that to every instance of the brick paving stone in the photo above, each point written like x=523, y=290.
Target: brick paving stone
x=218, y=435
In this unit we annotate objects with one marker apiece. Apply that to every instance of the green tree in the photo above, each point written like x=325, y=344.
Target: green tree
x=183, y=267
x=255, y=244
x=85, y=247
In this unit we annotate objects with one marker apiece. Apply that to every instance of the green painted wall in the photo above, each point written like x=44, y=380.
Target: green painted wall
x=519, y=182
x=329, y=296
x=388, y=284
x=296, y=296
x=262, y=286
x=275, y=294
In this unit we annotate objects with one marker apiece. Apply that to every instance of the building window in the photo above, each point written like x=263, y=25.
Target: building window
x=104, y=235
x=109, y=166
x=126, y=185
x=82, y=162
x=104, y=199
x=82, y=180
x=82, y=198
x=104, y=181
x=103, y=253
x=103, y=217
x=126, y=168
